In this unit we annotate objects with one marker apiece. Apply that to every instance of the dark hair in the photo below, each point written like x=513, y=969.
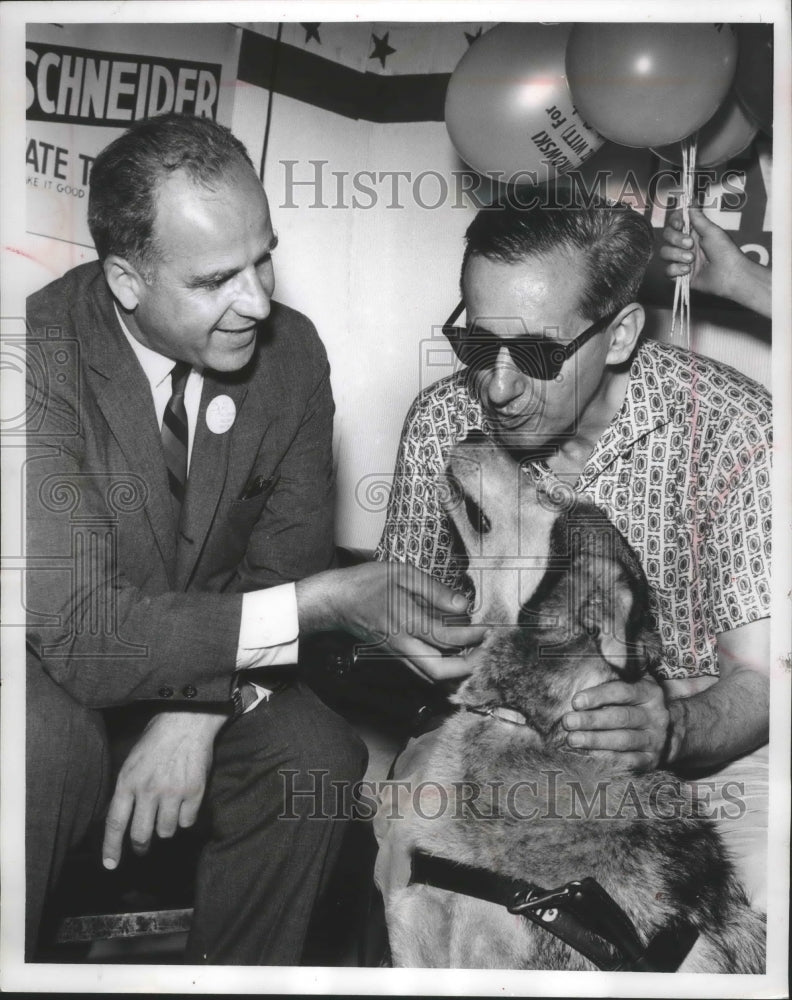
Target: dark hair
x=616, y=243
x=125, y=176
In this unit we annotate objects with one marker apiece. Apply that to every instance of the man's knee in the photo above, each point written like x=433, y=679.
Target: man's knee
x=347, y=755
x=329, y=743
x=291, y=746
x=322, y=777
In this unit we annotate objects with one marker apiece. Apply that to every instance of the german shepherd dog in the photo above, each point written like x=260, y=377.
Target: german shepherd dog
x=510, y=799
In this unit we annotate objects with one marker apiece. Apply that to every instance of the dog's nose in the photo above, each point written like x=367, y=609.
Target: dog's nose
x=465, y=458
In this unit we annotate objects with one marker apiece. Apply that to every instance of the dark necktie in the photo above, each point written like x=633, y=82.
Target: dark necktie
x=175, y=435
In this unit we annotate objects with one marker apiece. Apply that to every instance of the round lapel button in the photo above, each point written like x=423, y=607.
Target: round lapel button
x=220, y=414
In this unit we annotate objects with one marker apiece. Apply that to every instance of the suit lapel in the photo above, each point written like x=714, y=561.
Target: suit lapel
x=208, y=472
x=124, y=397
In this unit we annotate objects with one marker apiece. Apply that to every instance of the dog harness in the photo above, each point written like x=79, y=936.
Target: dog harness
x=581, y=914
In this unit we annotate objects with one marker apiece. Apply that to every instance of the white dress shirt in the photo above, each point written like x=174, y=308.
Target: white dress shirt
x=268, y=632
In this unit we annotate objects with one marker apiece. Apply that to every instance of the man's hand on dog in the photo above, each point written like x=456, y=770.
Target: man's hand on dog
x=409, y=613
x=629, y=719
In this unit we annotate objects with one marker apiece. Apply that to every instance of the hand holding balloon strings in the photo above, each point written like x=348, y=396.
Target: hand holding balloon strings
x=529, y=102
x=634, y=85
x=681, y=308
x=714, y=264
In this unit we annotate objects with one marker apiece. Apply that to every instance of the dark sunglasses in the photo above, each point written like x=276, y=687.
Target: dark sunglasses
x=538, y=357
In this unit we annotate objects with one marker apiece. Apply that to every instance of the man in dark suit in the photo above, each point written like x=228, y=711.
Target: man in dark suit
x=179, y=480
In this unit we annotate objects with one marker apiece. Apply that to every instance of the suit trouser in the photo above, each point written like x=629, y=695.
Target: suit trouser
x=269, y=848
x=67, y=780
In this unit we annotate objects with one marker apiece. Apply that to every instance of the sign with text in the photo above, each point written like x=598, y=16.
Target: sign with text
x=101, y=88
x=86, y=83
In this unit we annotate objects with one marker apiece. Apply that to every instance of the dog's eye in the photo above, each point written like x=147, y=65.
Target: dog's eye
x=478, y=519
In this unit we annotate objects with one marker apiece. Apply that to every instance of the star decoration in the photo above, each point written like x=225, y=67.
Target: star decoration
x=472, y=38
x=311, y=31
x=381, y=48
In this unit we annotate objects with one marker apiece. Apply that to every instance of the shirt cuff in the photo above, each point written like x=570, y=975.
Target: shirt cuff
x=269, y=630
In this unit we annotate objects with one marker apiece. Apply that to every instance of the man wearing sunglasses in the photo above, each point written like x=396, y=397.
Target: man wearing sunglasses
x=674, y=447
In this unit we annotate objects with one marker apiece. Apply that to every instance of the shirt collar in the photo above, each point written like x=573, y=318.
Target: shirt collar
x=156, y=366
x=652, y=396
x=649, y=405
x=650, y=402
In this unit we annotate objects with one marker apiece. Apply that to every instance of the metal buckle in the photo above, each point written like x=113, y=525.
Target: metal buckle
x=498, y=712
x=525, y=900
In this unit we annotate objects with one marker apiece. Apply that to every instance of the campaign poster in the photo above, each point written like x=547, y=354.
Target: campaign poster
x=86, y=84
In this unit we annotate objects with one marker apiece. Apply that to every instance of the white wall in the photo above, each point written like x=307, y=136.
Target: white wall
x=375, y=281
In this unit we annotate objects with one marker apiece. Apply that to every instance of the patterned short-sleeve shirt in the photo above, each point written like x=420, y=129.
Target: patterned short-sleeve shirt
x=683, y=471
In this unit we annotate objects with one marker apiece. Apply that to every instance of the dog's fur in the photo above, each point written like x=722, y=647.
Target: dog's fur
x=582, y=619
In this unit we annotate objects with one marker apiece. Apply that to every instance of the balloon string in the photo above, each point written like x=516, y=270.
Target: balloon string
x=681, y=307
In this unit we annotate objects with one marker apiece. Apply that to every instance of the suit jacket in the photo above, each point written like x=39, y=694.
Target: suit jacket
x=122, y=606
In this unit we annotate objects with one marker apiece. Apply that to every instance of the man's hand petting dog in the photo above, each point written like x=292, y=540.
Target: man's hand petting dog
x=396, y=606
x=629, y=719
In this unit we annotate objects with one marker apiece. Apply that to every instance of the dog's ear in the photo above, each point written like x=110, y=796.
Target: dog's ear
x=652, y=650
x=608, y=616
x=611, y=603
